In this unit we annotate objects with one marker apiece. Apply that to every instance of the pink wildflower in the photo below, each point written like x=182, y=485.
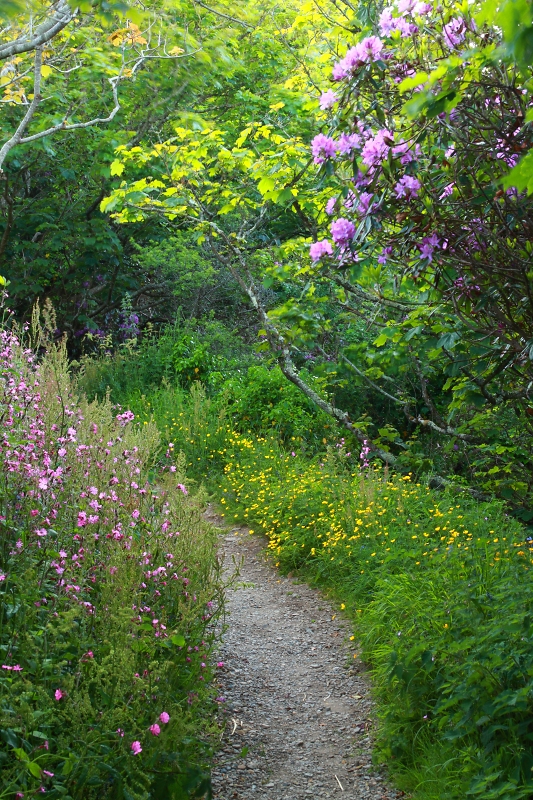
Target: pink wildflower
x=164, y=718
x=58, y=694
x=136, y=748
x=155, y=729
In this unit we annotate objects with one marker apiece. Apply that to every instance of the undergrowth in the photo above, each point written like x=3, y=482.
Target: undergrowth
x=438, y=586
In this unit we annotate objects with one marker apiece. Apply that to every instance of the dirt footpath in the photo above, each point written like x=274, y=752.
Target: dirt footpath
x=297, y=708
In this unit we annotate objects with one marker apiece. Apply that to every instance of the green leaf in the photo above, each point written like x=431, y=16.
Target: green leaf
x=35, y=769
x=521, y=176
x=178, y=640
x=266, y=185
x=117, y=167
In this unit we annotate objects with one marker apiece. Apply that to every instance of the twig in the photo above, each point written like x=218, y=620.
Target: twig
x=340, y=784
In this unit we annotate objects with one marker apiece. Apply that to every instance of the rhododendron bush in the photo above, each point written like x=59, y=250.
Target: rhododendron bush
x=425, y=232
x=109, y=594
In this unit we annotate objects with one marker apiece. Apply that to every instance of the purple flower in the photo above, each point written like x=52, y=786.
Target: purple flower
x=363, y=53
x=406, y=6
x=328, y=100
x=365, y=202
x=384, y=255
x=323, y=147
x=427, y=246
x=406, y=152
x=342, y=231
x=454, y=32
x=386, y=21
x=330, y=205
x=407, y=187
x=371, y=48
x=447, y=191
x=406, y=28
x=375, y=150
x=421, y=9
x=348, y=142
x=319, y=249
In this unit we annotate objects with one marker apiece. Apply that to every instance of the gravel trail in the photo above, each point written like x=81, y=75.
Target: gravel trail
x=297, y=713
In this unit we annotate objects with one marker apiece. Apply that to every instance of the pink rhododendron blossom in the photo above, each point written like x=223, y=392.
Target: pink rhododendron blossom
x=386, y=21
x=363, y=53
x=454, y=32
x=342, y=231
x=371, y=48
x=405, y=6
x=348, y=143
x=328, y=100
x=323, y=147
x=407, y=187
x=447, y=191
x=384, y=255
x=164, y=717
x=428, y=245
x=421, y=9
x=376, y=149
x=136, y=748
x=365, y=202
x=330, y=205
x=320, y=249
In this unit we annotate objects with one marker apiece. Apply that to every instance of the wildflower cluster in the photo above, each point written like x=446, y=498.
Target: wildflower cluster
x=108, y=593
x=426, y=577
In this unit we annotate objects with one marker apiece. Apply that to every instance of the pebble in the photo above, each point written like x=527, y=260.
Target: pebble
x=298, y=716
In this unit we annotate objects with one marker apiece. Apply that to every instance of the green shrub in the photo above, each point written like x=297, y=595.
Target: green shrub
x=263, y=399
x=191, y=351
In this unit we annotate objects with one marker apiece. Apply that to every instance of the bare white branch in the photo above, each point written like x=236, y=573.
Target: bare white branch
x=17, y=136
x=59, y=18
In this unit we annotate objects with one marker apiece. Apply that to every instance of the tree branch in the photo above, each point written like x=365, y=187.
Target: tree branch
x=43, y=33
x=17, y=136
